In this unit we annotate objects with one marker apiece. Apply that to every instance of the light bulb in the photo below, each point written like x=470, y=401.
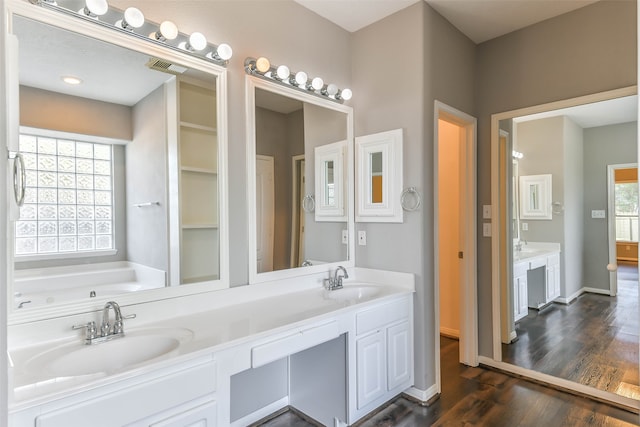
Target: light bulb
x=94, y=8
x=346, y=94
x=300, y=79
x=283, y=72
x=133, y=18
x=224, y=52
x=197, y=41
x=332, y=89
x=263, y=64
x=168, y=30
x=317, y=83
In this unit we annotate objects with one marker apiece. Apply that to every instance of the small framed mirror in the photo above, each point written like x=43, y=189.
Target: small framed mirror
x=379, y=177
x=330, y=182
x=535, y=197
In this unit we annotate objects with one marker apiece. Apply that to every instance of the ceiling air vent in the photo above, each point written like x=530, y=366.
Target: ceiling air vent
x=165, y=66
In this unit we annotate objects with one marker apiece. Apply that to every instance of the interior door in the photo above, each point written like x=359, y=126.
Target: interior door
x=265, y=212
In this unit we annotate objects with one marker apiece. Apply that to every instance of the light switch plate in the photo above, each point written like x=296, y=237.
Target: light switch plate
x=525, y=226
x=486, y=211
x=486, y=229
x=362, y=238
x=345, y=237
x=598, y=213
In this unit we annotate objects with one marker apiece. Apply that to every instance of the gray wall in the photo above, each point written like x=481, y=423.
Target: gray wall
x=590, y=50
x=435, y=61
x=606, y=145
x=323, y=239
x=147, y=227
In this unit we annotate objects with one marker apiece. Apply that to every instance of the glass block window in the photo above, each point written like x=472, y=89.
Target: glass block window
x=68, y=205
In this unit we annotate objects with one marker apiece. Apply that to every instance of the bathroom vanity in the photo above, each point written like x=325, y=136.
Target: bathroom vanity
x=536, y=277
x=348, y=350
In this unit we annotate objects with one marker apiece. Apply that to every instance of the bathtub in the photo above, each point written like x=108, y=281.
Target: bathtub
x=44, y=286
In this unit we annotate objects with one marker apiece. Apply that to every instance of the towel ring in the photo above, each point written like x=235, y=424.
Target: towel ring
x=406, y=199
x=308, y=203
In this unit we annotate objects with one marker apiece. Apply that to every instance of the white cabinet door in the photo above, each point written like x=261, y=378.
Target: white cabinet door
x=200, y=416
x=371, y=368
x=398, y=355
x=520, y=297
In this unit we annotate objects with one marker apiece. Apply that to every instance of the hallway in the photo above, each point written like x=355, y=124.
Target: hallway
x=592, y=341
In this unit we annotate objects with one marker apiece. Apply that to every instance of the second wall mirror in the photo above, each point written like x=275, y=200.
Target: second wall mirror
x=297, y=145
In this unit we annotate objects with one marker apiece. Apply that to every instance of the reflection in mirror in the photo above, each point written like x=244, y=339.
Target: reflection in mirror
x=376, y=177
x=121, y=165
x=299, y=178
x=570, y=278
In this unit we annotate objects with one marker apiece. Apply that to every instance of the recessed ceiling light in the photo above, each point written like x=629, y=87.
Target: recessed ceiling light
x=71, y=80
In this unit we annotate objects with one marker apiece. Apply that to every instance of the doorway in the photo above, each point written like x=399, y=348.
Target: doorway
x=455, y=292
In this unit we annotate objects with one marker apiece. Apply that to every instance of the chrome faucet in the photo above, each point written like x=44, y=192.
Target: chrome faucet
x=107, y=333
x=335, y=282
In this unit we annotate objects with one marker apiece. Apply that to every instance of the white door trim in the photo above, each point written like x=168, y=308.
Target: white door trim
x=468, y=291
x=611, y=222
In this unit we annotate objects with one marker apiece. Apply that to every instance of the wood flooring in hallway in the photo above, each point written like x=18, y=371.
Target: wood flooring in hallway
x=480, y=397
x=593, y=341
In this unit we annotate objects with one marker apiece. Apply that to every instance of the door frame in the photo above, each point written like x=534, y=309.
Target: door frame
x=271, y=164
x=297, y=188
x=611, y=222
x=468, y=220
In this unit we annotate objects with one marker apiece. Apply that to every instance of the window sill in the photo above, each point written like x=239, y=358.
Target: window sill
x=70, y=255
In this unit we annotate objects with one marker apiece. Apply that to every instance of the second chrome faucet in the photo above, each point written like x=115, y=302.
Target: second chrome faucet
x=335, y=282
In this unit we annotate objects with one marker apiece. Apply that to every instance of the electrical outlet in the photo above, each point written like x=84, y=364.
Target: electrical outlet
x=362, y=238
x=486, y=229
x=486, y=211
x=345, y=237
x=525, y=226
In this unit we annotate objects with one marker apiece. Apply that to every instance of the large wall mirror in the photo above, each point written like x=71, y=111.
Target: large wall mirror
x=300, y=172
x=566, y=288
x=124, y=153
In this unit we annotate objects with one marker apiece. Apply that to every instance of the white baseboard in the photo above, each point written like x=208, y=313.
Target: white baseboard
x=422, y=395
x=449, y=332
x=261, y=413
x=579, y=292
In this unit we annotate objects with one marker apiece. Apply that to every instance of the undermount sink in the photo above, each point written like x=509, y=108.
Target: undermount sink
x=353, y=292
x=76, y=359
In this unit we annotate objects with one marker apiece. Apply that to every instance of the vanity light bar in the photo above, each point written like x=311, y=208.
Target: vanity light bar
x=262, y=67
x=132, y=21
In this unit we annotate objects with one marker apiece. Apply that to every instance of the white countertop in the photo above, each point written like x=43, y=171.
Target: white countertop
x=532, y=250
x=211, y=330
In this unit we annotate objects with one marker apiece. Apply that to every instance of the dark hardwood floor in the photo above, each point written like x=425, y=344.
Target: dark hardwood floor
x=593, y=341
x=481, y=397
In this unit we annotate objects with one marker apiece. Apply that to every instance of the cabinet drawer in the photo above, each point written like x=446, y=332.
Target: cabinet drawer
x=125, y=406
x=290, y=344
x=537, y=262
x=204, y=415
x=377, y=317
x=520, y=269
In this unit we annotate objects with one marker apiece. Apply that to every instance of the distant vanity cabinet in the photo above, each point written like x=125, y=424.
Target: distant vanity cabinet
x=194, y=155
x=536, y=280
x=520, y=297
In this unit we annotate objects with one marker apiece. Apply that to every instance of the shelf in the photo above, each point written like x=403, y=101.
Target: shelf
x=198, y=170
x=199, y=226
x=209, y=278
x=196, y=126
